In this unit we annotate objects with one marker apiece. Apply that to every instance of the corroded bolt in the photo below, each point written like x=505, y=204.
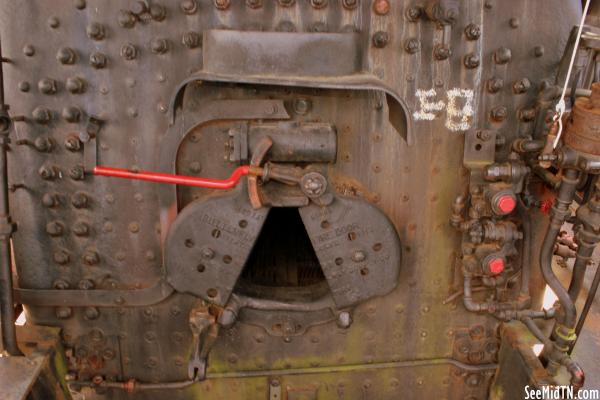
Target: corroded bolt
x=72, y=143
x=77, y=173
x=95, y=31
x=60, y=284
x=344, y=319
x=494, y=85
x=412, y=46
x=499, y=113
x=61, y=257
x=521, y=86
x=50, y=200
x=71, y=114
x=189, y=7
x=359, y=256
x=91, y=313
x=55, y=228
x=472, y=60
x=350, y=4
x=441, y=52
x=222, y=4
x=80, y=228
x=502, y=56
x=128, y=51
x=207, y=253
x=159, y=45
x=473, y=31
x=191, y=39
x=381, y=7
x=158, y=12
x=48, y=172
x=413, y=13
x=302, y=106
x=254, y=3
x=98, y=60
x=79, y=200
x=126, y=19
x=527, y=115
x=47, y=86
x=75, y=85
x=381, y=39
x=318, y=3
x=63, y=312
x=66, y=55
x=91, y=257
x=85, y=284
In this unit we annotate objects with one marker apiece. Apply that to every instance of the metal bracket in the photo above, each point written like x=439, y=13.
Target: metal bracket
x=205, y=330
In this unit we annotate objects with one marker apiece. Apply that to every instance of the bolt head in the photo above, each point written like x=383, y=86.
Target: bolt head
x=380, y=39
x=473, y=31
x=189, y=7
x=98, y=60
x=95, y=31
x=496, y=265
x=442, y=52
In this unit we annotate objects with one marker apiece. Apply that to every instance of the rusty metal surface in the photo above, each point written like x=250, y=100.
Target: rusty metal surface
x=81, y=233
x=18, y=375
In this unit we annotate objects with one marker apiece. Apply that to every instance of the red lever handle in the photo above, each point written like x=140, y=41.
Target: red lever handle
x=228, y=183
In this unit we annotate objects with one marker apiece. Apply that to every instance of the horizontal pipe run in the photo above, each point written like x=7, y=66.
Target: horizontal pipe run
x=173, y=179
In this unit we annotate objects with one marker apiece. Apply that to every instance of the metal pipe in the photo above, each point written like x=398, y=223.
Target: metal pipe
x=560, y=212
x=526, y=258
x=586, y=307
x=7, y=310
x=584, y=255
x=228, y=183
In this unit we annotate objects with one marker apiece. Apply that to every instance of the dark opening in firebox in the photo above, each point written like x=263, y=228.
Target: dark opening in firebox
x=283, y=264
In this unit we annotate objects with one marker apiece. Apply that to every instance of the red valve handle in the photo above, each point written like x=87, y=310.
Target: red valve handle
x=228, y=183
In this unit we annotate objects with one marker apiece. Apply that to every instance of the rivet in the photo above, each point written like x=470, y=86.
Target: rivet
x=66, y=55
x=499, y=113
x=128, y=51
x=527, y=115
x=189, y=7
x=222, y=4
x=95, y=31
x=53, y=22
x=494, y=85
x=191, y=39
x=159, y=45
x=77, y=173
x=50, y=200
x=503, y=55
x=254, y=3
x=55, y=228
x=126, y=19
x=91, y=313
x=139, y=7
x=47, y=86
x=98, y=60
x=472, y=60
x=132, y=112
x=381, y=7
x=24, y=86
x=441, y=52
x=91, y=257
x=539, y=51
x=380, y=39
x=473, y=31
x=28, y=50
x=107, y=227
x=85, y=284
x=61, y=257
x=412, y=46
x=75, y=85
x=48, y=172
x=521, y=86
x=158, y=12
x=413, y=13
x=134, y=227
x=63, y=312
x=71, y=114
x=79, y=200
x=514, y=22
x=318, y=3
x=80, y=228
x=80, y=4
x=350, y=4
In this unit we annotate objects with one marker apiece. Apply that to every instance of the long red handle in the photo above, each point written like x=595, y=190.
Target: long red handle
x=228, y=183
